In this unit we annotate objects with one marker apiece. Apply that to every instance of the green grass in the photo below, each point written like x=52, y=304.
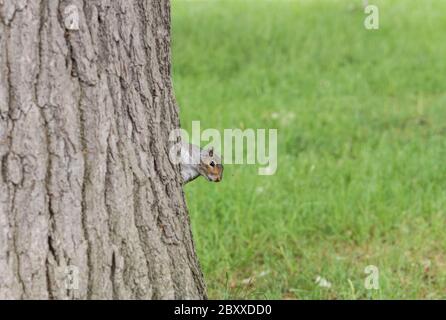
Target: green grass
x=361, y=119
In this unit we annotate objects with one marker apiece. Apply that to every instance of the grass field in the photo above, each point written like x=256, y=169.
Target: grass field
x=361, y=119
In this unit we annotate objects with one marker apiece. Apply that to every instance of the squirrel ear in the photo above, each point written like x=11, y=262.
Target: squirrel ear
x=211, y=151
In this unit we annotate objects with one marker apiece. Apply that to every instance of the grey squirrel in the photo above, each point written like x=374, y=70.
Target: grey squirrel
x=195, y=162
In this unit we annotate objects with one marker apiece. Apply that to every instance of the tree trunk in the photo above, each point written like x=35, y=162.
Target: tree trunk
x=90, y=205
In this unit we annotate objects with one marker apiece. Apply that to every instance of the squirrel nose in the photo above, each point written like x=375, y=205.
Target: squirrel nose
x=217, y=179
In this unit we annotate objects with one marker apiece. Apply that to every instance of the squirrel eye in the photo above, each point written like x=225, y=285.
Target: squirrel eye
x=212, y=164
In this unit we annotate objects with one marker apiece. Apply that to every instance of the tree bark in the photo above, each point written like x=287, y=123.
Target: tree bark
x=90, y=205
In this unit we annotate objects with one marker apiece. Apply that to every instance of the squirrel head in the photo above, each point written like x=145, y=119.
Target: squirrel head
x=210, y=165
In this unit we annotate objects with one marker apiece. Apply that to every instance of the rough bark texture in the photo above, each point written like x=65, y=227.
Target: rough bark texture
x=85, y=180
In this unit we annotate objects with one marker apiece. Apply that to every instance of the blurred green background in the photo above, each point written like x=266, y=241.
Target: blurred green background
x=361, y=128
